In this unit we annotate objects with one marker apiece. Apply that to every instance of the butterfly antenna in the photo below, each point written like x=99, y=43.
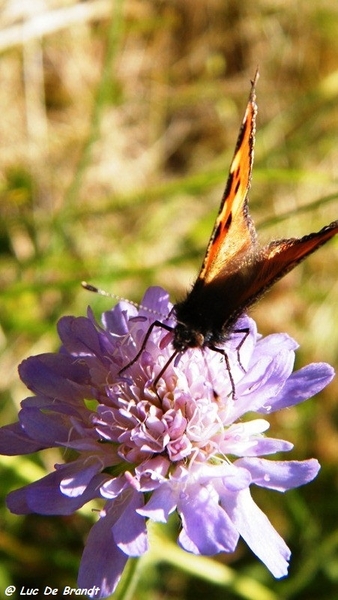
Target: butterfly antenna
x=256, y=77
x=92, y=288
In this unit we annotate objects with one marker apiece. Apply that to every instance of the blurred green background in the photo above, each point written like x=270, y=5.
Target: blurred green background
x=118, y=124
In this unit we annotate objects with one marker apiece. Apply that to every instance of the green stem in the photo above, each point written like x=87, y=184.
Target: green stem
x=127, y=585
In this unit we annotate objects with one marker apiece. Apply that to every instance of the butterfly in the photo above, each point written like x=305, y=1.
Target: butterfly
x=236, y=270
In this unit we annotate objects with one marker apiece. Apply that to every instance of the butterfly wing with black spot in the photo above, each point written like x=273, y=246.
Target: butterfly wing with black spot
x=234, y=235
x=276, y=260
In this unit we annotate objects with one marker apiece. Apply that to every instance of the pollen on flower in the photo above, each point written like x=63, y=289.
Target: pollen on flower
x=149, y=450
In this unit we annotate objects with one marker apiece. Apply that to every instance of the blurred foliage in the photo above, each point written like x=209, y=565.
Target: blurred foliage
x=119, y=120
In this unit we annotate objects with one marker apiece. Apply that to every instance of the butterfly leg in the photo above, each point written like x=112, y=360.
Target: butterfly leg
x=227, y=364
x=163, y=370
x=246, y=332
x=144, y=343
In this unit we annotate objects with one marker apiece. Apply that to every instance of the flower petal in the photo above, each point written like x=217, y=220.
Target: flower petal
x=256, y=529
x=280, y=475
x=207, y=529
x=130, y=533
x=14, y=440
x=302, y=384
x=56, y=376
x=102, y=561
x=45, y=497
x=161, y=504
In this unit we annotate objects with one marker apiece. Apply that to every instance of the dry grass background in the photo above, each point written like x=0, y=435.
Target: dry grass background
x=118, y=124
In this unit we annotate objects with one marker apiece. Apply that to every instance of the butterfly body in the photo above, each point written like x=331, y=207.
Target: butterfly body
x=236, y=272
x=206, y=317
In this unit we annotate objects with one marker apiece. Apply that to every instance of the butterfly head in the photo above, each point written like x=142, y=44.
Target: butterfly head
x=186, y=337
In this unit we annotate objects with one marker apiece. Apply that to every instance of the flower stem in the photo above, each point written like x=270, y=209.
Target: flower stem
x=130, y=577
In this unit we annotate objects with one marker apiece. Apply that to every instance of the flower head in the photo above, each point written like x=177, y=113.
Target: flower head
x=182, y=444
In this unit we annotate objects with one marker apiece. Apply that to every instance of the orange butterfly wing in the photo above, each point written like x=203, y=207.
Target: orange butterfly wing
x=234, y=234
x=279, y=257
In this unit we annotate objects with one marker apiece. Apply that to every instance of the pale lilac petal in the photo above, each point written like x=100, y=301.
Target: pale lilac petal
x=152, y=473
x=102, y=561
x=207, y=529
x=45, y=497
x=302, y=384
x=265, y=379
x=79, y=336
x=48, y=427
x=280, y=475
x=255, y=528
x=116, y=320
x=157, y=300
x=113, y=487
x=78, y=475
x=54, y=375
x=246, y=439
x=130, y=533
x=162, y=503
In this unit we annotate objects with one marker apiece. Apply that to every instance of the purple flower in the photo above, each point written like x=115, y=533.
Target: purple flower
x=183, y=444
